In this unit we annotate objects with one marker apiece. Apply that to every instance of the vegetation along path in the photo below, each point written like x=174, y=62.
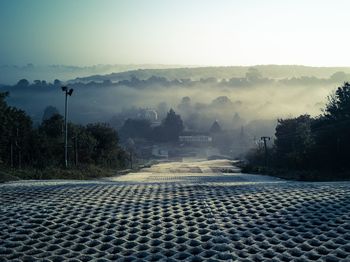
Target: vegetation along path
x=181, y=211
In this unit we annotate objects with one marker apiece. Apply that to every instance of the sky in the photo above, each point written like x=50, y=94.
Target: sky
x=178, y=32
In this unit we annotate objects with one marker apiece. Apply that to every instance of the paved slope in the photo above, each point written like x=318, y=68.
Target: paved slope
x=176, y=212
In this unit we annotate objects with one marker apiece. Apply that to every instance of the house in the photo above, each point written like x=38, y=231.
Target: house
x=195, y=139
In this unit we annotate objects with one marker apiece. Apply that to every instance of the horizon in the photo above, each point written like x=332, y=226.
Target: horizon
x=11, y=74
x=171, y=66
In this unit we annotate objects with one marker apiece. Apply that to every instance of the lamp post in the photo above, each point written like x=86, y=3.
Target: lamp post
x=265, y=138
x=67, y=93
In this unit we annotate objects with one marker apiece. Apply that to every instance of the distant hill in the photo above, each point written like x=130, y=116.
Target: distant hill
x=260, y=92
x=195, y=73
x=11, y=74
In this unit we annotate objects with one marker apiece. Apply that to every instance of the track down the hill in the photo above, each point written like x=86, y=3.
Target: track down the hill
x=182, y=211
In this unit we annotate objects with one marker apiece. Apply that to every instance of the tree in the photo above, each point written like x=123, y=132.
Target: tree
x=185, y=104
x=21, y=145
x=53, y=127
x=171, y=126
x=83, y=144
x=37, y=83
x=57, y=83
x=321, y=143
x=338, y=77
x=3, y=118
x=215, y=128
x=15, y=127
x=49, y=112
x=294, y=141
x=134, y=128
x=50, y=140
x=253, y=74
x=106, y=151
x=334, y=128
x=23, y=83
x=222, y=101
x=338, y=107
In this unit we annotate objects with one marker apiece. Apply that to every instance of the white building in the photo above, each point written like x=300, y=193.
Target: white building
x=195, y=139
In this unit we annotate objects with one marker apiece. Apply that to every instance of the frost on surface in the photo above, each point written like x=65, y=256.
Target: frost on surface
x=196, y=219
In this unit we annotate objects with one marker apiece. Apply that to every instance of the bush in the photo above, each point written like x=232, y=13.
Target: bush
x=79, y=173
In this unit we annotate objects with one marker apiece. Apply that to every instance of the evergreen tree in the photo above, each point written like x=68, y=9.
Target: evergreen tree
x=172, y=126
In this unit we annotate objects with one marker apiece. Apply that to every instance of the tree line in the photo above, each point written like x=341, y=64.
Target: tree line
x=320, y=144
x=253, y=77
x=168, y=131
x=22, y=145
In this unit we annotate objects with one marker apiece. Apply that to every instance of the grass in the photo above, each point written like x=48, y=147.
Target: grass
x=83, y=172
x=298, y=175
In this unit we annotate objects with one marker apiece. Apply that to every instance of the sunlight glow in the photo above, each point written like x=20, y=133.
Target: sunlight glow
x=178, y=32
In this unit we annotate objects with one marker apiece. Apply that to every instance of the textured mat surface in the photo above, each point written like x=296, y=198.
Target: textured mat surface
x=172, y=221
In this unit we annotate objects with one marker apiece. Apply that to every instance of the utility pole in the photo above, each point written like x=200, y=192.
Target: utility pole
x=76, y=150
x=19, y=150
x=265, y=138
x=131, y=159
x=67, y=92
x=11, y=154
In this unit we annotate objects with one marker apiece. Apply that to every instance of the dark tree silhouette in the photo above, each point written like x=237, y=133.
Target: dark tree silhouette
x=321, y=144
x=23, y=83
x=21, y=145
x=171, y=127
x=338, y=107
x=53, y=126
x=106, y=149
x=294, y=141
x=49, y=112
x=215, y=127
x=133, y=128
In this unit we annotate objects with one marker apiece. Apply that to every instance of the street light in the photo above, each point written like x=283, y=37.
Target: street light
x=67, y=92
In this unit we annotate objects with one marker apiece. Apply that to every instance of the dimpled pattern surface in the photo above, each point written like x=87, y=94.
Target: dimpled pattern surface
x=240, y=218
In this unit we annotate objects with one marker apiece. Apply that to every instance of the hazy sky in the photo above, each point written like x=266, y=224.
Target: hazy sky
x=193, y=32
